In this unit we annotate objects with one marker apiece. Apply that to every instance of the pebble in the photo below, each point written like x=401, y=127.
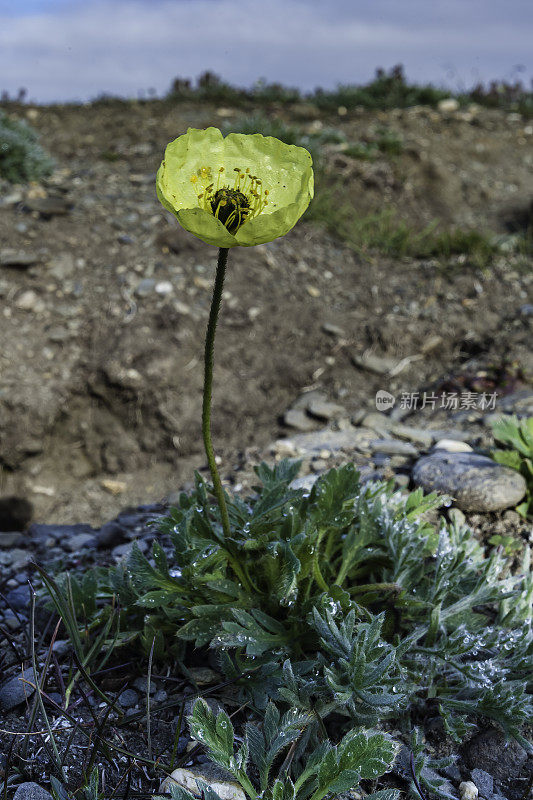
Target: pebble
x=80, y=541
x=17, y=258
x=468, y=790
x=11, y=539
x=27, y=301
x=298, y=419
x=141, y=684
x=324, y=409
x=48, y=206
x=164, y=287
x=453, y=446
x=217, y=779
x=492, y=750
x=19, y=598
x=61, y=266
x=15, y=691
x=145, y=287
x=325, y=439
x=475, y=482
x=111, y=534
x=31, y=791
x=392, y=447
x=128, y=698
x=484, y=782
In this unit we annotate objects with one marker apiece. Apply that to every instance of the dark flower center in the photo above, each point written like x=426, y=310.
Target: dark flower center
x=231, y=207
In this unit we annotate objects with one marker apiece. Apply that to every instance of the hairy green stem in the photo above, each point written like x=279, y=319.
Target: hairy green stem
x=206, y=409
x=208, y=387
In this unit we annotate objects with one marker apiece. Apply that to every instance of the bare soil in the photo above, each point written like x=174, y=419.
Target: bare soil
x=102, y=336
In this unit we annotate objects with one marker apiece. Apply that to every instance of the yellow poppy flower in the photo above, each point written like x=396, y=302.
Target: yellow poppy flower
x=244, y=189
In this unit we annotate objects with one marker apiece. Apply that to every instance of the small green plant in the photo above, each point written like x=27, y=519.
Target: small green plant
x=384, y=232
x=259, y=768
x=517, y=435
x=22, y=158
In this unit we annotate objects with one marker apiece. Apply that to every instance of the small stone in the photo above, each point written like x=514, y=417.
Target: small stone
x=448, y=105
x=468, y=790
x=383, y=365
x=475, y=482
x=17, y=258
x=164, y=288
x=11, y=539
x=113, y=487
x=27, y=301
x=128, y=698
x=378, y=422
x=334, y=441
x=306, y=482
x=31, y=791
x=333, y=330
x=421, y=436
x=484, y=782
x=492, y=750
x=392, y=447
x=110, y=534
x=218, y=780
x=453, y=446
x=61, y=267
x=298, y=419
x=48, y=206
x=15, y=691
x=80, y=542
x=431, y=344
x=145, y=287
x=141, y=684
x=19, y=598
x=324, y=409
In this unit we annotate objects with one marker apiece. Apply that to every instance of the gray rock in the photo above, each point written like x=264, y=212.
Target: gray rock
x=110, y=534
x=80, y=541
x=334, y=441
x=141, y=684
x=297, y=418
x=476, y=483
x=17, y=258
x=484, y=782
x=145, y=287
x=392, y=447
x=31, y=791
x=19, y=598
x=11, y=539
x=325, y=410
x=15, y=691
x=61, y=266
x=128, y=698
x=48, y=206
x=420, y=436
x=492, y=752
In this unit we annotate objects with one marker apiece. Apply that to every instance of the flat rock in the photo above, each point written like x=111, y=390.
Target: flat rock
x=17, y=258
x=298, y=419
x=334, y=441
x=48, y=206
x=392, y=447
x=324, y=409
x=14, y=691
x=31, y=791
x=476, y=483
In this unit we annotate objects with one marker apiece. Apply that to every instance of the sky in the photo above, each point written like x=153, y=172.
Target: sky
x=75, y=50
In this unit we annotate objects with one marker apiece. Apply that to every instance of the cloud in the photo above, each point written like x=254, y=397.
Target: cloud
x=76, y=50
